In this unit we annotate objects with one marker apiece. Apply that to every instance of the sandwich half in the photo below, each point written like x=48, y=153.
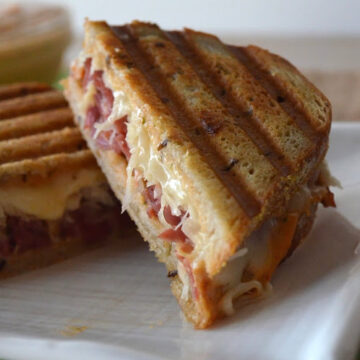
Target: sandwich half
x=216, y=152
x=54, y=200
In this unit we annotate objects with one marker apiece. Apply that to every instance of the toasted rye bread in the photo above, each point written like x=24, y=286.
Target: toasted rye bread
x=37, y=134
x=239, y=128
x=43, y=163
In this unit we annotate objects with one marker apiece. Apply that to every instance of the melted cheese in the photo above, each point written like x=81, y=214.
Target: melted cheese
x=88, y=99
x=227, y=301
x=120, y=109
x=229, y=278
x=144, y=158
x=306, y=195
x=266, y=247
x=230, y=275
x=147, y=160
x=327, y=177
x=50, y=200
x=184, y=277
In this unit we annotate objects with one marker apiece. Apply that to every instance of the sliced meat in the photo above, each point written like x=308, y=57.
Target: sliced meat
x=114, y=139
x=103, y=140
x=104, y=97
x=177, y=236
x=328, y=199
x=119, y=143
x=171, y=219
x=26, y=234
x=86, y=75
x=187, y=266
x=173, y=235
x=5, y=246
x=152, y=196
x=91, y=223
x=92, y=116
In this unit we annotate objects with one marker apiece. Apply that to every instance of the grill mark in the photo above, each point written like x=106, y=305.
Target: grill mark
x=67, y=140
x=275, y=91
x=197, y=135
x=36, y=123
x=22, y=89
x=45, y=166
x=245, y=119
x=32, y=103
x=37, y=138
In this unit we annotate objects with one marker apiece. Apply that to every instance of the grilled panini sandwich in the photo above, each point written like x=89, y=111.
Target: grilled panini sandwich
x=217, y=153
x=54, y=200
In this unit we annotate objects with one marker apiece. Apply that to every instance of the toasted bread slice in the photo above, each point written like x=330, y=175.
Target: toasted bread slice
x=51, y=188
x=214, y=150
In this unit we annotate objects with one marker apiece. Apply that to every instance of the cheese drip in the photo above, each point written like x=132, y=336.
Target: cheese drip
x=48, y=201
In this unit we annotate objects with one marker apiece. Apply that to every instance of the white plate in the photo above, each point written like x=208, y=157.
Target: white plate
x=115, y=303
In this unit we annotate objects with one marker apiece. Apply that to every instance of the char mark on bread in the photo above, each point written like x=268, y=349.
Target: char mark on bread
x=37, y=133
x=22, y=89
x=54, y=200
x=243, y=116
x=31, y=103
x=281, y=95
x=198, y=135
x=224, y=156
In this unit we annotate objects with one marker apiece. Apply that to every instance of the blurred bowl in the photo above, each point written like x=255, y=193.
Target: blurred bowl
x=33, y=38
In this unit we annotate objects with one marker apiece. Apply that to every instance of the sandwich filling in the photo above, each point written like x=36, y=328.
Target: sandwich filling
x=69, y=206
x=115, y=126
